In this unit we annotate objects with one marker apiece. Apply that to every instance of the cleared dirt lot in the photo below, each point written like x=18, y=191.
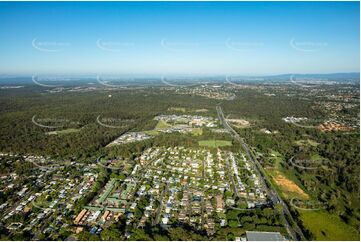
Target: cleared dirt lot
x=239, y=123
x=288, y=186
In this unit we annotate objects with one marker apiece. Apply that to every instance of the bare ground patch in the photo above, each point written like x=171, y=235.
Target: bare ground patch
x=239, y=123
x=288, y=186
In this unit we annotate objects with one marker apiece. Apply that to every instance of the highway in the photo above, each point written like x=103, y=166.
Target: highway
x=273, y=195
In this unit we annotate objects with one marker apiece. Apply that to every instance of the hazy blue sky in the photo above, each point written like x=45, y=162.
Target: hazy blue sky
x=179, y=38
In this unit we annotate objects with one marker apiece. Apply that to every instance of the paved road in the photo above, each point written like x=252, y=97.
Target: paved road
x=230, y=176
x=202, y=211
x=273, y=195
x=157, y=217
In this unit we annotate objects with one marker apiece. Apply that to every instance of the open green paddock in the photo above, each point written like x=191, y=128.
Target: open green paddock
x=214, y=143
x=326, y=226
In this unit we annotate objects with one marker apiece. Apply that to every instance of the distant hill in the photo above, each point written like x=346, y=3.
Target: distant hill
x=330, y=76
x=27, y=80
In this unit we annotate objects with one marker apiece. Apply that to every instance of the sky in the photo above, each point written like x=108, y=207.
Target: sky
x=183, y=38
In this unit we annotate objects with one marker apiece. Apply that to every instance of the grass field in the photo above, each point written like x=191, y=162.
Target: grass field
x=152, y=132
x=162, y=125
x=275, y=154
x=276, y=158
x=177, y=109
x=307, y=142
x=201, y=110
x=214, y=143
x=325, y=226
x=317, y=157
x=197, y=131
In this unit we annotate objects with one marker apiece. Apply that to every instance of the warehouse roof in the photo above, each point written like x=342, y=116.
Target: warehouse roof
x=263, y=236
